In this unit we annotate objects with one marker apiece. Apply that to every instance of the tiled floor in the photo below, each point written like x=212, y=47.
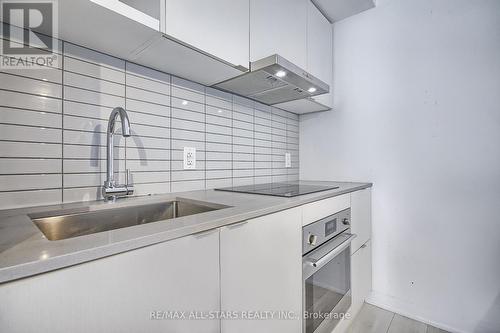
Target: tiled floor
x=372, y=319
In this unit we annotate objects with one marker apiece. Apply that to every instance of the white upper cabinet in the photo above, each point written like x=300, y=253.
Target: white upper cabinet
x=219, y=28
x=320, y=50
x=279, y=27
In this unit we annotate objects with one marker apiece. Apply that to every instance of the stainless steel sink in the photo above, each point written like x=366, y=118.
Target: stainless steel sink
x=67, y=224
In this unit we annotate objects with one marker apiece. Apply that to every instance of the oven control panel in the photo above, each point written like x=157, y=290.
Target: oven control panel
x=317, y=233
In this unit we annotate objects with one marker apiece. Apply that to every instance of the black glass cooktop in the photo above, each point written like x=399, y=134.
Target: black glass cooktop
x=278, y=189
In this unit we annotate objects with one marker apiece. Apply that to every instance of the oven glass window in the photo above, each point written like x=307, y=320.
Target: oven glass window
x=325, y=288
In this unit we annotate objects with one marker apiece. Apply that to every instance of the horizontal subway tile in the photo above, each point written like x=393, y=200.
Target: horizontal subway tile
x=243, y=133
x=219, y=112
x=243, y=173
x=243, y=181
x=149, y=108
x=82, y=194
x=90, y=83
x=84, y=180
x=25, y=101
x=27, y=133
x=216, y=120
x=148, y=73
x=147, y=84
x=79, y=52
x=211, y=174
x=147, y=142
x=218, y=165
x=243, y=117
x=181, y=134
x=27, y=166
x=91, y=152
x=243, y=149
x=263, y=172
x=262, y=114
x=242, y=141
x=243, y=125
x=150, y=177
x=29, y=182
x=177, y=82
x=91, y=97
x=93, y=70
x=188, y=95
x=30, y=198
x=263, y=179
x=152, y=188
x=188, y=115
x=148, y=119
x=219, y=147
x=216, y=129
x=187, y=125
x=147, y=154
x=47, y=74
x=218, y=183
x=30, y=86
x=87, y=166
x=140, y=166
x=242, y=165
x=179, y=103
x=179, y=144
x=185, y=186
x=188, y=175
x=243, y=157
x=147, y=96
x=34, y=118
x=31, y=150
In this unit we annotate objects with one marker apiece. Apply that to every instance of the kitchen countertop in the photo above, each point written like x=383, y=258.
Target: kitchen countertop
x=25, y=251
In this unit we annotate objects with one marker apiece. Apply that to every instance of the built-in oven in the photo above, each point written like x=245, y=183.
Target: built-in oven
x=326, y=262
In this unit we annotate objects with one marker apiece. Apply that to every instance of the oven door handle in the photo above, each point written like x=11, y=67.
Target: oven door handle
x=335, y=251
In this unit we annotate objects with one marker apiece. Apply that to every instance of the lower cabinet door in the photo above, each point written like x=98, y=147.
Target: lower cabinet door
x=361, y=276
x=261, y=274
x=167, y=287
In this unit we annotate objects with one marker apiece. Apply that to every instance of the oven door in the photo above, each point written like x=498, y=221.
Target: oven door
x=327, y=284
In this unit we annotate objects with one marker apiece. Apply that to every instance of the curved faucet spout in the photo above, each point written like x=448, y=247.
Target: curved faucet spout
x=118, y=111
x=111, y=189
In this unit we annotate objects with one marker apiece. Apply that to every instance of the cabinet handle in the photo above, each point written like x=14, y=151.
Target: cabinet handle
x=237, y=225
x=205, y=233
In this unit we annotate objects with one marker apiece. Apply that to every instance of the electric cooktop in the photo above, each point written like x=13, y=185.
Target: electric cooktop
x=278, y=189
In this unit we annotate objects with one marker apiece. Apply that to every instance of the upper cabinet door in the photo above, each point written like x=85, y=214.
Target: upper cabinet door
x=320, y=50
x=217, y=27
x=279, y=27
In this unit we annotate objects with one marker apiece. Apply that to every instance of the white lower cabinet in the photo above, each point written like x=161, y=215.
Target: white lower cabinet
x=361, y=276
x=119, y=293
x=361, y=217
x=261, y=270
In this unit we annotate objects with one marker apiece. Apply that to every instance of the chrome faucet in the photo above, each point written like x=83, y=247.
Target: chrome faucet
x=111, y=190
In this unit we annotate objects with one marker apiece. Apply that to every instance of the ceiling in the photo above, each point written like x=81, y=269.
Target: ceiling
x=336, y=10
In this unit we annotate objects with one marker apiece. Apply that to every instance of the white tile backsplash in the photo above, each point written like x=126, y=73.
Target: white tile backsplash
x=53, y=132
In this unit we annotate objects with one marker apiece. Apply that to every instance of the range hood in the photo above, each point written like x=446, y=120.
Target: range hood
x=276, y=81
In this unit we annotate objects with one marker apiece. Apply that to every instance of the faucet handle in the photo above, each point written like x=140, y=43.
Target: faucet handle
x=129, y=182
x=128, y=179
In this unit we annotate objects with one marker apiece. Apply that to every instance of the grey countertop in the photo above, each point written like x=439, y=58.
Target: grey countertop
x=25, y=251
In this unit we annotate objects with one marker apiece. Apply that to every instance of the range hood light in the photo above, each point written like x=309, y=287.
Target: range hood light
x=312, y=90
x=280, y=73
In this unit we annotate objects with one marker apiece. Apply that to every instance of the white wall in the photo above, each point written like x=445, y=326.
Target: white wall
x=417, y=98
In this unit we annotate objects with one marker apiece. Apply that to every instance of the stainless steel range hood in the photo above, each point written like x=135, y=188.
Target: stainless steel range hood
x=275, y=80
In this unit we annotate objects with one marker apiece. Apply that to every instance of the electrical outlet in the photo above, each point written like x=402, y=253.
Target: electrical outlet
x=288, y=160
x=189, y=158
